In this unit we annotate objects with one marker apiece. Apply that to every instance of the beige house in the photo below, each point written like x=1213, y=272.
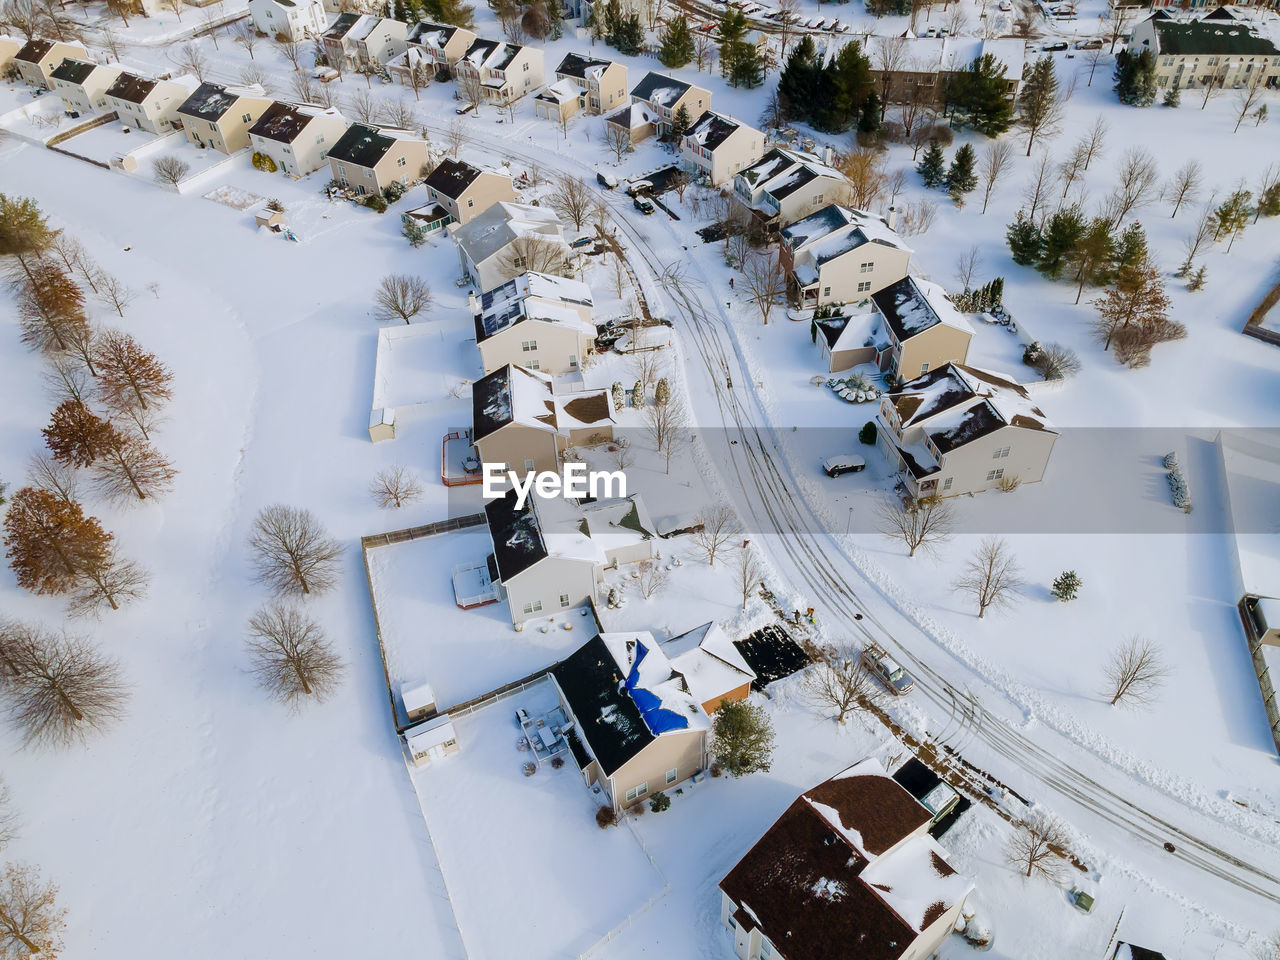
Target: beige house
x=1217, y=49
x=718, y=147
x=848, y=870
x=505, y=71
x=297, y=138
x=9, y=47
x=637, y=120
x=82, y=84
x=296, y=19
x=37, y=59
x=923, y=328
x=465, y=191
x=785, y=186
x=518, y=419
x=840, y=255
x=958, y=429
x=665, y=96
x=535, y=320
x=507, y=240
x=439, y=44
x=361, y=39
x=146, y=103
x=558, y=102
x=640, y=725
x=368, y=160
x=601, y=84
x=220, y=117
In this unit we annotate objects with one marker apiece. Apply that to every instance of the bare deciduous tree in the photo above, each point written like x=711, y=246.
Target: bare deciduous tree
x=920, y=524
x=31, y=923
x=10, y=821
x=245, y=34
x=995, y=161
x=191, y=59
x=1183, y=186
x=60, y=479
x=991, y=576
x=1138, y=185
x=67, y=378
x=61, y=689
x=539, y=254
x=289, y=48
x=748, y=572
x=716, y=526
x=967, y=264
x=128, y=375
x=651, y=578
x=361, y=105
x=1038, y=846
x=1044, y=176
x=667, y=423
x=1094, y=141
x=617, y=141
x=400, y=296
x=399, y=113
x=291, y=657
x=765, y=282
x=572, y=199
x=303, y=87
x=129, y=466
x=113, y=291
x=456, y=136
x=292, y=551
x=1135, y=673
x=838, y=681
x=396, y=486
x=471, y=90
x=108, y=585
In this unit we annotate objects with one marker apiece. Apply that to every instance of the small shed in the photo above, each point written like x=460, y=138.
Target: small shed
x=432, y=739
x=419, y=700
x=272, y=219
x=382, y=424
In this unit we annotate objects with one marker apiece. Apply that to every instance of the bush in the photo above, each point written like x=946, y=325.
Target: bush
x=605, y=817
x=659, y=802
x=867, y=434
x=636, y=809
x=395, y=190
x=557, y=762
x=942, y=133
x=275, y=205
x=529, y=769
x=716, y=771
x=263, y=162
x=375, y=202
x=1066, y=586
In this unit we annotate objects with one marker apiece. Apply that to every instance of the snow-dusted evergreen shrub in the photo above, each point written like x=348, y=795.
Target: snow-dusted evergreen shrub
x=1066, y=585
x=1178, y=485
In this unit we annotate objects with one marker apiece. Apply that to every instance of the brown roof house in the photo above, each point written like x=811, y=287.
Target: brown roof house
x=38, y=58
x=147, y=103
x=220, y=117
x=465, y=191
x=519, y=420
x=848, y=870
x=535, y=320
x=297, y=138
x=640, y=707
x=841, y=255
x=368, y=159
x=959, y=430
x=718, y=147
x=506, y=71
x=82, y=84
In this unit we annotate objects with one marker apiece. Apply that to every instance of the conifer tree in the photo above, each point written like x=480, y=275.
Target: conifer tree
x=675, y=43
x=1173, y=96
x=1025, y=240
x=799, y=83
x=979, y=96
x=932, y=166
x=1062, y=233
x=961, y=178
x=50, y=542
x=76, y=435
x=24, y=232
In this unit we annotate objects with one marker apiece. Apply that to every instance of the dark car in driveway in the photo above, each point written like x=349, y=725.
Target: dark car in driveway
x=643, y=204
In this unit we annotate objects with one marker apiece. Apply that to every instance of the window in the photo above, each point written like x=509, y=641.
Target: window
x=320, y=138
x=671, y=775
x=733, y=924
x=564, y=599
x=866, y=267
x=471, y=202
x=818, y=198
x=528, y=346
x=826, y=291
x=864, y=286
x=518, y=262
x=212, y=125
x=401, y=161
x=533, y=606
x=946, y=484
x=924, y=368
x=573, y=362
x=995, y=474
x=246, y=117
x=528, y=465
x=342, y=171
x=636, y=792
x=766, y=948
x=535, y=365
x=1000, y=454
x=525, y=68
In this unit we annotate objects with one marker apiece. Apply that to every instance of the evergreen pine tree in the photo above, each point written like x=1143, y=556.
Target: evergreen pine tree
x=1197, y=279
x=979, y=96
x=845, y=85
x=932, y=166
x=1145, y=86
x=1025, y=240
x=745, y=67
x=798, y=84
x=869, y=122
x=1063, y=232
x=961, y=178
x=1269, y=201
x=680, y=123
x=1131, y=249
x=1173, y=96
x=412, y=231
x=1066, y=585
x=629, y=35
x=675, y=43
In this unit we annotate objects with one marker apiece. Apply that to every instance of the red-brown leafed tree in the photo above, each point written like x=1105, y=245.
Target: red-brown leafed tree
x=130, y=466
x=129, y=375
x=31, y=923
x=76, y=435
x=50, y=306
x=50, y=542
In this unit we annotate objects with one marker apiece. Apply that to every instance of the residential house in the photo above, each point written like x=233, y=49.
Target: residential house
x=82, y=84
x=785, y=186
x=718, y=147
x=848, y=870
x=363, y=40
x=537, y=321
x=518, y=419
x=558, y=102
x=295, y=20
x=507, y=240
x=924, y=329
x=1212, y=50
x=297, y=138
x=37, y=59
x=602, y=84
x=849, y=335
x=220, y=117
x=436, y=46
x=640, y=720
x=505, y=71
x=841, y=255
x=9, y=47
x=638, y=121
x=958, y=429
x=665, y=96
x=921, y=69
x=368, y=159
x=466, y=191
x=147, y=103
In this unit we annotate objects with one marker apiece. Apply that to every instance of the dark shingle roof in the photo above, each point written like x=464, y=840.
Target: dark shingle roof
x=900, y=299
x=280, y=122
x=712, y=129
x=131, y=88
x=576, y=65
x=424, y=27
x=1211, y=39
x=342, y=26
x=71, y=70
x=652, y=82
x=362, y=145
x=491, y=402
x=452, y=177
x=209, y=102
x=33, y=51
x=517, y=535
x=608, y=719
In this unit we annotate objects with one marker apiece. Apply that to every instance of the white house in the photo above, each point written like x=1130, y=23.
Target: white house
x=82, y=84
x=507, y=240
x=297, y=138
x=296, y=19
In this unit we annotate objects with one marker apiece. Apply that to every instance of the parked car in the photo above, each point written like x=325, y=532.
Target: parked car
x=1089, y=45
x=637, y=187
x=607, y=180
x=844, y=463
x=887, y=670
x=582, y=242
x=1055, y=47
x=643, y=204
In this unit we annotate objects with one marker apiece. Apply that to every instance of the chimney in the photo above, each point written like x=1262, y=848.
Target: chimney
x=892, y=218
x=474, y=305
x=828, y=154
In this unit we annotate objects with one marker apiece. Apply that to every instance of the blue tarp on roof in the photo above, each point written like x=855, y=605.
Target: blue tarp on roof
x=656, y=717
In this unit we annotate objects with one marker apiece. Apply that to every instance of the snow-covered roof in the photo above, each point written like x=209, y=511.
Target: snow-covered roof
x=580, y=67
x=709, y=662
x=781, y=173
x=434, y=35
x=712, y=129
x=212, y=100
x=503, y=222
x=538, y=297
x=561, y=92
x=917, y=882
x=619, y=523
x=659, y=89
x=633, y=116
x=659, y=692
x=913, y=305
x=284, y=122
x=953, y=54
x=415, y=696
x=517, y=395
x=430, y=733
x=491, y=54
x=835, y=230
